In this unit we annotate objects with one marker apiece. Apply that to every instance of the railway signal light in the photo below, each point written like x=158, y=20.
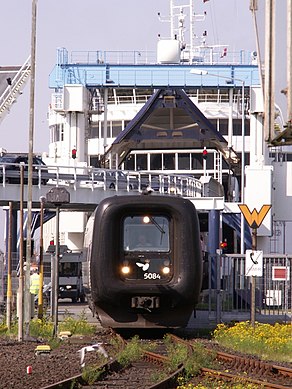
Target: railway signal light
x=224, y=245
x=74, y=153
x=205, y=153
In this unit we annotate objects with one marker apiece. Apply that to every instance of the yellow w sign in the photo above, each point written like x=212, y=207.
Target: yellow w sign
x=254, y=218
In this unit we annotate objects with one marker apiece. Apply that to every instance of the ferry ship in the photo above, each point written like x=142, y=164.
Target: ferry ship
x=190, y=109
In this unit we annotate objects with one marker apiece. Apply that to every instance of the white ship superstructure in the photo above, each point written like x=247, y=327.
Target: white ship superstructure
x=97, y=95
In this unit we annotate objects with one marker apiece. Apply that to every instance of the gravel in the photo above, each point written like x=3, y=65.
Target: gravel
x=17, y=359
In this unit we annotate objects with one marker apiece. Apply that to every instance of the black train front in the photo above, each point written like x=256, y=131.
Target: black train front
x=144, y=265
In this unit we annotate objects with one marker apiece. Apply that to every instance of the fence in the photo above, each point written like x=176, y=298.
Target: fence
x=229, y=289
x=228, y=295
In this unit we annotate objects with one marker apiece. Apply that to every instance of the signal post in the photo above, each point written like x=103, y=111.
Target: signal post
x=254, y=258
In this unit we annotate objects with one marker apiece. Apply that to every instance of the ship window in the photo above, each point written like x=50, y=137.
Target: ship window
x=197, y=161
x=246, y=158
x=101, y=130
x=210, y=161
x=141, y=161
x=58, y=132
x=126, y=122
x=168, y=161
x=155, y=162
x=94, y=132
x=184, y=161
x=94, y=161
x=223, y=126
x=237, y=127
x=116, y=128
x=130, y=162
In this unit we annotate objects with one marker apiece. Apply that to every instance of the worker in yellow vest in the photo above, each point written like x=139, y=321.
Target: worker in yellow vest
x=34, y=282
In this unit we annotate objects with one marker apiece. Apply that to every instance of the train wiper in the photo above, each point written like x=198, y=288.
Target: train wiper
x=153, y=221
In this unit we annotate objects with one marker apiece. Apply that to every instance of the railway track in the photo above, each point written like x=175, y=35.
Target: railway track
x=158, y=369
x=250, y=370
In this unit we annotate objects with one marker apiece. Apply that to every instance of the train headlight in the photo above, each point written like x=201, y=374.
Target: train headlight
x=165, y=270
x=68, y=287
x=166, y=267
x=125, y=268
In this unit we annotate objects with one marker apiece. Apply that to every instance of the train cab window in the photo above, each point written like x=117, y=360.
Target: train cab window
x=147, y=255
x=146, y=233
x=68, y=269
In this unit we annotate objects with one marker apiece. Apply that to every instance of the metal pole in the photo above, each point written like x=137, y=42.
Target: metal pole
x=242, y=167
x=105, y=97
x=269, y=88
x=52, y=293
x=253, y=282
x=9, y=283
x=21, y=275
x=57, y=271
x=254, y=8
x=289, y=60
x=41, y=263
x=27, y=296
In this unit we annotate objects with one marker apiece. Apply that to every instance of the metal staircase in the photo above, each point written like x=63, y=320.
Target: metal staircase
x=12, y=91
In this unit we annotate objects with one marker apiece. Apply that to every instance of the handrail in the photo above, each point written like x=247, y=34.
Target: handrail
x=96, y=178
x=137, y=57
x=12, y=89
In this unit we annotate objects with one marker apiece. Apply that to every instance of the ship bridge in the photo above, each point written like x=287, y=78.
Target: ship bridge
x=133, y=70
x=170, y=120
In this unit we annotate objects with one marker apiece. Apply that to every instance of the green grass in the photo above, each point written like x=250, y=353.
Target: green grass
x=44, y=328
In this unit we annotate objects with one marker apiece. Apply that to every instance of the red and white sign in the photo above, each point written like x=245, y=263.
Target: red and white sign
x=280, y=273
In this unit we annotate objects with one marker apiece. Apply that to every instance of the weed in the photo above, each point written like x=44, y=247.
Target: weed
x=158, y=376
x=78, y=326
x=176, y=352
x=91, y=374
x=132, y=352
x=199, y=358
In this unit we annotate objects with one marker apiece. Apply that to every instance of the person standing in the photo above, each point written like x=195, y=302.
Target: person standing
x=34, y=282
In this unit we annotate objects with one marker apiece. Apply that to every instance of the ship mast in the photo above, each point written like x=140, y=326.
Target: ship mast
x=180, y=22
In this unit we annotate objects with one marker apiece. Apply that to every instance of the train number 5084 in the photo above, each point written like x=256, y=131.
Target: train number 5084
x=151, y=276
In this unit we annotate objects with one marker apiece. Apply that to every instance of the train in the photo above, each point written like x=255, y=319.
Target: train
x=142, y=263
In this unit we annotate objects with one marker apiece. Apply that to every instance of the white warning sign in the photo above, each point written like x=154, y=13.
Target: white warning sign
x=254, y=263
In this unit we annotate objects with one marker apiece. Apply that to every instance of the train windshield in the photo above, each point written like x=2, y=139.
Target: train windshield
x=146, y=233
x=68, y=269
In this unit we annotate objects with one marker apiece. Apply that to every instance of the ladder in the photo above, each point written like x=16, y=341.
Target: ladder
x=12, y=91
x=218, y=167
